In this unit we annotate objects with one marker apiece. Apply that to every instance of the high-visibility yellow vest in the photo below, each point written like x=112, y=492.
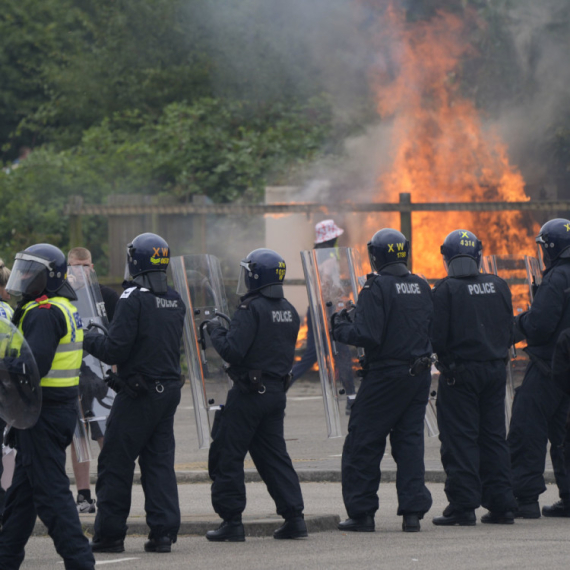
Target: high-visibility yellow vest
x=66, y=363
x=6, y=312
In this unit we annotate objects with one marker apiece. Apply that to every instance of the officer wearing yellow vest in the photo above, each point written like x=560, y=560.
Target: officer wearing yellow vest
x=54, y=332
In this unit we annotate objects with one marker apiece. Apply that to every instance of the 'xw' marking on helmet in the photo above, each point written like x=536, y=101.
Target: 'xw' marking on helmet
x=157, y=252
x=390, y=247
x=464, y=235
x=567, y=226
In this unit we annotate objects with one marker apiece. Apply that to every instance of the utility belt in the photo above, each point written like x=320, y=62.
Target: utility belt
x=135, y=385
x=415, y=366
x=456, y=371
x=253, y=381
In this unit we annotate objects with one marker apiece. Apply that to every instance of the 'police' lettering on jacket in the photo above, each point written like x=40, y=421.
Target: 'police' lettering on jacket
x=282, y=316
x=408, y=288
x=166, y=303
x=481, y=288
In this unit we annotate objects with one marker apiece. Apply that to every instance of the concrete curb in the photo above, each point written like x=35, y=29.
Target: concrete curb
x=199, y=525
x=308, y=476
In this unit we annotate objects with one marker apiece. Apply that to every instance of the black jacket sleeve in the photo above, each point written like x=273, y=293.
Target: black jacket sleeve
x=541, y=320
x=367, y=328
x=116, y=347
x=561, y=362
x=233, y=344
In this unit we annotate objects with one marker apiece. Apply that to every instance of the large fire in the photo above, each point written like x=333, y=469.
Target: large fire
x=441, y=150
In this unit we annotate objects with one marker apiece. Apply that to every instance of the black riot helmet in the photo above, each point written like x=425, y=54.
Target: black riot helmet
x=39, y=269
x=462, y=253
x=553, y=241
x=386, y=247
x=147, y=252
x=262, y=270
x=148, y=256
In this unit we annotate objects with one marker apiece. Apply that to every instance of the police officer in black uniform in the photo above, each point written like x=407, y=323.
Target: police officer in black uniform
x=260, y=348
x=144, y=342
x=40, y=487
x=392, y=322
x=472, y=333
x=540, y=407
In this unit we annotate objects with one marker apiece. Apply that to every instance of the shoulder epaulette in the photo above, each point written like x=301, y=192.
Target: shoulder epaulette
x=247, y=302
x=369, y=280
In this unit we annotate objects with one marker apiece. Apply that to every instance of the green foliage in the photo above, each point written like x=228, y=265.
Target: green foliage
x=223, y=149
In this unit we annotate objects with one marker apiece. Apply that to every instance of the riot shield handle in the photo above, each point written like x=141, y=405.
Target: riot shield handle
x=202, y=338
x=222, y=315
x=330, y=311
x=93, y=324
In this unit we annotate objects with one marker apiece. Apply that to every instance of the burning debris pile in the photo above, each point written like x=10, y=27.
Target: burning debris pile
x=441, y=150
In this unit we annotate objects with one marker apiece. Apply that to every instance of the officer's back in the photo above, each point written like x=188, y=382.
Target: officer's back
x=271, y=326
x=159, y=320
x=474, y=317
x=399, y=311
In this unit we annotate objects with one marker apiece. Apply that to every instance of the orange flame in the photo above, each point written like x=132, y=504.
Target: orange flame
x=442, y=152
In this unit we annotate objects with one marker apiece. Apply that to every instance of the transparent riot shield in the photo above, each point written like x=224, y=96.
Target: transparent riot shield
x=514, y=270
x=20, y=390
x=533, y=274
x=334, y=278
x=96, y=398
x=198, y=280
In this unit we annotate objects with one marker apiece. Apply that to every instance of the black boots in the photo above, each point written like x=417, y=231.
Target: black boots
x=105, y=545
x=530, y=510
x=358, y=524
x=161, y=544
x=411, y=523
x=454, y=516
x=558, y=509
x=228, y=531
x=506, y=517
x=292, y=528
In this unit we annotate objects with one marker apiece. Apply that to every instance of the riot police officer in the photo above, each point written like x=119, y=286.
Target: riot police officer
x=392, y=322
x=53, y=330
x=540, y=408
x=260, y=347
x=144, y=342
x=472, y=333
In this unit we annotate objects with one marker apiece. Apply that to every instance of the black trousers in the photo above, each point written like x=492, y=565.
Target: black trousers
x=41, y=488
x=143, y=428
x=393, y=405
x=472, y=431
x=254, y=423
x=539, y=415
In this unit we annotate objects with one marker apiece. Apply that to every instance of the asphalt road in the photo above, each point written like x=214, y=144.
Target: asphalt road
x=525, y=545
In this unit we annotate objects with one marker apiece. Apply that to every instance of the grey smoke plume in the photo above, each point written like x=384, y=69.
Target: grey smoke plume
x=264, y=49
x=541, y=36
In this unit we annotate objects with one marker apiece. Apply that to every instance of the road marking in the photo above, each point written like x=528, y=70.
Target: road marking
x=303, y=398
x=338, y=455
x=99, y=562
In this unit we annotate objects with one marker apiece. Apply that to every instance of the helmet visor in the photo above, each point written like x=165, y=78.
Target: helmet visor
x=28, y=277
x=242, y=287
x=127, y=275
x=543, y=258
